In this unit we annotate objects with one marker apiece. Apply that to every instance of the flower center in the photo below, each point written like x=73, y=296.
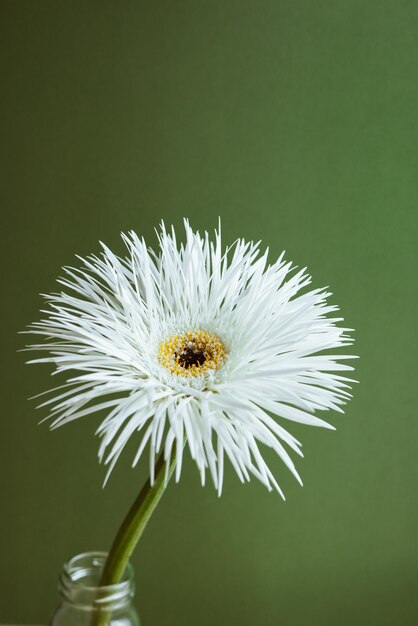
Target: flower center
x=192, y=354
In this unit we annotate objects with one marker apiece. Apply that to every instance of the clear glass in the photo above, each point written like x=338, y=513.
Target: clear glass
x=85, y=603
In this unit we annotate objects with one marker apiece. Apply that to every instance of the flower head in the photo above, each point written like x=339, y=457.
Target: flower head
x=194, y=343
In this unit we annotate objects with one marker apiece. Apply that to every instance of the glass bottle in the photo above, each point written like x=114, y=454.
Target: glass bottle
x=85, y=603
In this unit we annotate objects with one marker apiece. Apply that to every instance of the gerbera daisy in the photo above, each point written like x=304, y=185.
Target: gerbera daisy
x=195, y=347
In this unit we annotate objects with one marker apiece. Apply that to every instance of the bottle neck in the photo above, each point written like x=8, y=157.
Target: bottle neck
x=79, y=584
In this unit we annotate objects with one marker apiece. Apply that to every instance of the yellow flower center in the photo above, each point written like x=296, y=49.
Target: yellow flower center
x=192, y=354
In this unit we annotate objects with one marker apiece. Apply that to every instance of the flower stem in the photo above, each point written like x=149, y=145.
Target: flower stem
x=133, y=526
x=134, y=523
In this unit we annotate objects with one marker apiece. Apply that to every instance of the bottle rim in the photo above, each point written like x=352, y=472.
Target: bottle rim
x=76, y=582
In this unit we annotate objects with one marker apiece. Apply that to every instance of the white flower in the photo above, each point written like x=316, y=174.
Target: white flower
x=194, y=343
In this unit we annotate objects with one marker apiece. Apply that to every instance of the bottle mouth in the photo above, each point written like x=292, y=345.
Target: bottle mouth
x=80, y=583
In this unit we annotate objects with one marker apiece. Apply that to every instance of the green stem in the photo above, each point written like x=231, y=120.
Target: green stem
x=134, y=525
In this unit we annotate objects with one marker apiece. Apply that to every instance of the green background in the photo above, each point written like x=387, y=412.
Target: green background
x=296, y=122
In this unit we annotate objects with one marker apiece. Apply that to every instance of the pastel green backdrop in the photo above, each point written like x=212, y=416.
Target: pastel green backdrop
x=296, y=122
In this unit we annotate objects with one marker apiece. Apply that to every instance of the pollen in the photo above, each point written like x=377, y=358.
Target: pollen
x=192, y=354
